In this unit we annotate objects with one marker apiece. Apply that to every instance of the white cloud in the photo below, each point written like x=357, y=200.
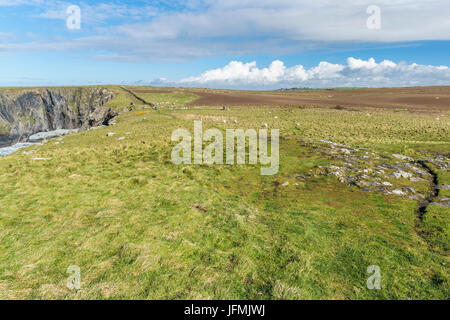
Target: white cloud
x=356, y=73
x=13, y=3
x=204, y=28
x=305, y=20
x=98, y=13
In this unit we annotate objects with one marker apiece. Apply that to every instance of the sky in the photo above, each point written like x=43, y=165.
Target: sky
x=237, y=44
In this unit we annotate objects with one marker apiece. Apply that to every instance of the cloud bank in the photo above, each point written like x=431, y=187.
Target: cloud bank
x=183, y=30
x=356, y=73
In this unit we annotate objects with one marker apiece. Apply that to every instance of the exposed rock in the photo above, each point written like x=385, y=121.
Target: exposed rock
x=415, y=197
x=27, y=112
x=398, y=156
x=369, y=170
x=51, y=134
x=402, y=174
x=27, y=153
x=416, y=169
x=100, y=116
x=397, y=192
x=410, y=189
x=441, y=163
x=416, y=179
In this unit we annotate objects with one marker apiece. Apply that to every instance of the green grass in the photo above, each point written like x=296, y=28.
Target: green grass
x=436, y=226
x=175, y=99
x=122, y=99
x=140, y=227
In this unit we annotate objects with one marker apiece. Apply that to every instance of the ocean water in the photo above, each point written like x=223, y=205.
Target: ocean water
x=11, y=149
x=35, y=138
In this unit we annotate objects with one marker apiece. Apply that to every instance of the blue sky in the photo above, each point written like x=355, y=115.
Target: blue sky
x=226, y=44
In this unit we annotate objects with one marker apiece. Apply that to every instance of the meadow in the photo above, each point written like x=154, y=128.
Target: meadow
x=141, y=227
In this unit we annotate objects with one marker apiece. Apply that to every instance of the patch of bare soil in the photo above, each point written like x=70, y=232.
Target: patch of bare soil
x=422, y=99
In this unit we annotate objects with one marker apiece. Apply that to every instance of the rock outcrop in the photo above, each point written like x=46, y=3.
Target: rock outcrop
x=391, y=174
x=38, y=137
x=26, y=112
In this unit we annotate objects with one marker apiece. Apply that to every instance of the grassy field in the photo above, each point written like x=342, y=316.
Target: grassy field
x=140, y=227
x=167, y=100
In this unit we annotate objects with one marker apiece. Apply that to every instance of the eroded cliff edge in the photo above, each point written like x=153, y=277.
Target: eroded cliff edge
x=29, y=111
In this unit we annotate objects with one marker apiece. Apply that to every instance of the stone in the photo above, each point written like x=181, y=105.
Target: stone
x=410, y=189
x=397, y=192
x=416, y=179
x=101, y=116
x=40, y=136
x=402, y=174
x=27, y=153
x=399, y=156
x=416, y=169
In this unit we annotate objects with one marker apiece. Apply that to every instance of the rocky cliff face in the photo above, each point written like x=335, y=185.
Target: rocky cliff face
x=26, y=112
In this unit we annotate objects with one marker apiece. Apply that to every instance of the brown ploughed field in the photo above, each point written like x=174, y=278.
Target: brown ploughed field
x=420, y=99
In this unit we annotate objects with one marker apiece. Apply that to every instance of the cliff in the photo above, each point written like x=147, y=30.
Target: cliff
x=26, y=112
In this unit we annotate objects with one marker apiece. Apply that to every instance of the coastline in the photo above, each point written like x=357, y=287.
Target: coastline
x=6, y=151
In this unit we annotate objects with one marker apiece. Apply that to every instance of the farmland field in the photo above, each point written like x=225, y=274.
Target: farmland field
x=421, y=99
x=357, y=183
